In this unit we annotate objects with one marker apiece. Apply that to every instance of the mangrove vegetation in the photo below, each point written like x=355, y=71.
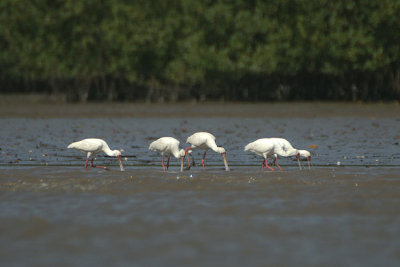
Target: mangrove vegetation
x=172, y=50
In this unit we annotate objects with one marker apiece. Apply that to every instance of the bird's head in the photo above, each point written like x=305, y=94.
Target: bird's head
x=182, y=153
x=305, y=154
x=117, y=153
x=221, y=150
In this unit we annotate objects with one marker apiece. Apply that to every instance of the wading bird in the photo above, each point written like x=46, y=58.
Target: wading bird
x=265, y=147
x=93, y=146
x=169, y=146
x=303, y=154
x=205, y=141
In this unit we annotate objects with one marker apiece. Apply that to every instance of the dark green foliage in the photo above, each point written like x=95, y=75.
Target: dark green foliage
x=159, y=50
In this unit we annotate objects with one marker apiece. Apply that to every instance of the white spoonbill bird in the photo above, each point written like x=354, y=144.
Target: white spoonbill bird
x=169, y=146
x=302, y=154
x=93, y=146
x=286, y=146
x=205, y=141
x=275, y=146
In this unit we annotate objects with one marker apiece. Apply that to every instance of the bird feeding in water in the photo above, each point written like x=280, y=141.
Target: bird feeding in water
x=304, y=155
x=205, y=141
x=93, y=146
x=277, y=147
x=168, y=146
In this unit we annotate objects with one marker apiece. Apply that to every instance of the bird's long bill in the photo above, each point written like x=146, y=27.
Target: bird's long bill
x=182, y=159
x=225, y=161
x=298, y=162
x=120, y=164
x=302, y=164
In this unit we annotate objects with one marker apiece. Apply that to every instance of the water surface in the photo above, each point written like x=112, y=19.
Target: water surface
x=345, y=210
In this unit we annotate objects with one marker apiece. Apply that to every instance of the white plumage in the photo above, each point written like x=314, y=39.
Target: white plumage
x=265, y=147
x=93, y=146
x=168, y=146
x=205, y=141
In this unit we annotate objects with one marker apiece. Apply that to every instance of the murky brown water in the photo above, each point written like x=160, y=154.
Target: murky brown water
x=54, y=213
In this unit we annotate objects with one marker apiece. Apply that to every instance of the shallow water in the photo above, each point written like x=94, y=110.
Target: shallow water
x=331, y=141
x=345, y=210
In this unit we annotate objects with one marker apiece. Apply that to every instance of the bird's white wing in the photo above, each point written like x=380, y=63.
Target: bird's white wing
x=87, y=145
x=260, y=146
x=164, y=144
x=200, y=138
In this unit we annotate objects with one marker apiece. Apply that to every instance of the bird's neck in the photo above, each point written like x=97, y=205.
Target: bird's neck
x=288, y=153
x=218, y=149
x=109, y=152
x=176, y=153
x=211, y=144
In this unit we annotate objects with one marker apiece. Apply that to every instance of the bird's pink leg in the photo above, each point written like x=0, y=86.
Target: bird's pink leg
x=187, y=155
x=87, y=160
x=162, y=162
x=277, y=164
x=266, y=164
x=94, y=166
x=169, y=157
x=262, y=165
x=203, y=159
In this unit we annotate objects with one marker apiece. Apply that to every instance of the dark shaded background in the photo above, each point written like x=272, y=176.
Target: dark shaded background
x=238, y=50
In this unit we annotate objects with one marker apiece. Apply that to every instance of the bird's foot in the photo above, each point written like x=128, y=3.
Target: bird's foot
x=101, y=167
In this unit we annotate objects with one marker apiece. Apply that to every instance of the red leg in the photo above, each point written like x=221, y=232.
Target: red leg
x=94, y=166
x=86, y=163
x=187, y=155
x=277, y=164
x=168, y=162
x=262, y=165
x=266, y=164
x=162, y=162
x=203, y=159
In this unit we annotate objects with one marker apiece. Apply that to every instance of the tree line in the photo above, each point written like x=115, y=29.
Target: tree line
x=171, y=50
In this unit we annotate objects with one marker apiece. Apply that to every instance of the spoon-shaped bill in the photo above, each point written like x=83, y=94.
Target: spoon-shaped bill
x=121, y=166
x=225, y=162
x=182, y=158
